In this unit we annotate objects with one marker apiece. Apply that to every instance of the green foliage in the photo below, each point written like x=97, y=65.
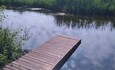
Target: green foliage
x=3, y=60
x=73, y=6
x=11, y=42
x=1, y=13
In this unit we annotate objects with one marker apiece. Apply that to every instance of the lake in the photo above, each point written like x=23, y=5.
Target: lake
x=97, y=49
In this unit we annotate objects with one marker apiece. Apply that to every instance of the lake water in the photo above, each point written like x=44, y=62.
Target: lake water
x=97, y=49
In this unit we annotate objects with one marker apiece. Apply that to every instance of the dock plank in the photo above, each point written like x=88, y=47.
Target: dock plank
x=50, y=56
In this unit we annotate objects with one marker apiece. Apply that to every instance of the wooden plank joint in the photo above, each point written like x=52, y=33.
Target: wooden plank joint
x=50, y=56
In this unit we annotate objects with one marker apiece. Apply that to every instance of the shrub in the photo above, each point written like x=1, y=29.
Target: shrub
x=11, y=42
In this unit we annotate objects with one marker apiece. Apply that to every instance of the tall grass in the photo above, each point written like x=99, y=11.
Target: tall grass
x=99, y=7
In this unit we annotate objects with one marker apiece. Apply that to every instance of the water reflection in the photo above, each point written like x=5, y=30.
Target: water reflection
x=97, y=49
x=84, y=22
x=22, y=10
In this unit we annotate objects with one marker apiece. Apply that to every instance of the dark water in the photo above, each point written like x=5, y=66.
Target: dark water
x=97, y=50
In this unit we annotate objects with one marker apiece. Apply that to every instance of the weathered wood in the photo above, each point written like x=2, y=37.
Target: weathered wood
x=50, y=56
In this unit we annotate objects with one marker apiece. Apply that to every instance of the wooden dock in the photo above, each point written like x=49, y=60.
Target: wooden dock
x=50, y=56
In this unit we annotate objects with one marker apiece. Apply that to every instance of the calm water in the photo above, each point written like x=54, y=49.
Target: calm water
x=97, y=50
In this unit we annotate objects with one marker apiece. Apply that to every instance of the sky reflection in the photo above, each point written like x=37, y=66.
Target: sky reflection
x=97, y=48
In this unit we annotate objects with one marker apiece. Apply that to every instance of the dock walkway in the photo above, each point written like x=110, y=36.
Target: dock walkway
x=50, y=56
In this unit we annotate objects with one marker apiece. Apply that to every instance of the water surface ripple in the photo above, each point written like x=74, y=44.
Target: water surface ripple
x=97, y=50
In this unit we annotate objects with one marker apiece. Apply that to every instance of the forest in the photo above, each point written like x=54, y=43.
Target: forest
x=99, y=7
x=90, y=7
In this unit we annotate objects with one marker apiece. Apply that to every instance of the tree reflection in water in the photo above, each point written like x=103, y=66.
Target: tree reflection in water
x=84, y=22
x=101, y=55
x=97, y=49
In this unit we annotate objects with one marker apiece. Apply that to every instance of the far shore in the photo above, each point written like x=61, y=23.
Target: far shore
x=56, y=13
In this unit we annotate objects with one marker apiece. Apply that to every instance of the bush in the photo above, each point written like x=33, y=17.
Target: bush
x=1, y=13
x=3, y=60
x=11, y=42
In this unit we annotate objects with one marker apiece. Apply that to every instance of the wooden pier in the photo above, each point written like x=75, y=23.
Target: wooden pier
x=50, y=56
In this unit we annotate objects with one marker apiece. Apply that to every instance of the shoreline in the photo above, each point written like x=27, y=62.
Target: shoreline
x=56, y=13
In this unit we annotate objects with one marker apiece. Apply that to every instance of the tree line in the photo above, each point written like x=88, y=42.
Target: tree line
x=99, y=7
